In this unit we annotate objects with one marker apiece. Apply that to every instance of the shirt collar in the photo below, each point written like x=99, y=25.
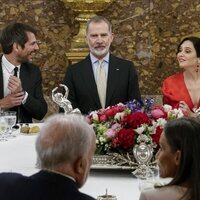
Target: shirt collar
x=8, y=65
x=94, y=59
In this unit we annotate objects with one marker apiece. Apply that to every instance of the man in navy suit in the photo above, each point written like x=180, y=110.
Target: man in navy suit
x=81, y=78
x=20, y=80
x=65, y=147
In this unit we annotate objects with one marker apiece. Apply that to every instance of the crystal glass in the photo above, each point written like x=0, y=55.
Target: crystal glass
x=3, y=127
x=151, y=179
x=10, y=117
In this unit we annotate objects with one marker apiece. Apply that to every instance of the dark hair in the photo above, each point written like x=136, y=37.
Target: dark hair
x=184, y=134
x=195, y=41
x=14, y=32
x=99, y=19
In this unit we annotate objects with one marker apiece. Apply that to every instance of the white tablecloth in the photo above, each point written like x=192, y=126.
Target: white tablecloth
x=18, y=155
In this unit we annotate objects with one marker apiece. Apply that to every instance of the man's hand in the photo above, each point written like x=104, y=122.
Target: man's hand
x=12, y=100
x=14, y=85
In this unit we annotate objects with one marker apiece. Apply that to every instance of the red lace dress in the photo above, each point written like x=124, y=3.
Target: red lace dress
x=174, y=90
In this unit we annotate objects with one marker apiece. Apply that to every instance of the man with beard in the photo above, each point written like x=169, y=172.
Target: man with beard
x=101, y=79
x=20, y=81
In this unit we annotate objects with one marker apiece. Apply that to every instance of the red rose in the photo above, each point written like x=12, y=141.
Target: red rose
x=110, y=112
x=136, y=119
x=102, y=118
x=156, y=135
x=124, y=139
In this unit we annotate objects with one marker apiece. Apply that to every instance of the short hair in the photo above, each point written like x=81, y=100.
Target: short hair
x=195, y=41
x=99, y=19
x=184, y=134
x=15, y=32
x=63, y=138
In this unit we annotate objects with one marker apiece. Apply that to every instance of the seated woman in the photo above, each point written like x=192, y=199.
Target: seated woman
x=182, y=90
x=179, y=158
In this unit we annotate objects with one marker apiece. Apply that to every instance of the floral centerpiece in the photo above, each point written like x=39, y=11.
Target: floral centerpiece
x=121, y=127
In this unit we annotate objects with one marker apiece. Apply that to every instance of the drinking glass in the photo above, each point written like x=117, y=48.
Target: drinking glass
x=10, y=117
x=3, y=127
x=151, y=179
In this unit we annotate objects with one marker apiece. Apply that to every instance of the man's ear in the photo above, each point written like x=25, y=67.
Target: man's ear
x=80, y=165
x=177, y=157
x=16, y=46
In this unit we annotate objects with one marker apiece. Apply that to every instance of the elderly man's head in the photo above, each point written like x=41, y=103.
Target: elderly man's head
x=66, y=144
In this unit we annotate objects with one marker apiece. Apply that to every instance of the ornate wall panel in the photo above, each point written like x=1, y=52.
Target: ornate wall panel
x=146, y=32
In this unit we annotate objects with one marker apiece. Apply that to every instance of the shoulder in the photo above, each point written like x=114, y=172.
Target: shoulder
x=166, y=192
x=11, y=179
x=29, y=67
x=174, y=77
x=120, y=60
x=80, y=65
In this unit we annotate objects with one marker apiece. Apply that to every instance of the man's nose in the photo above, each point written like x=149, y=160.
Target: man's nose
x=36, y=47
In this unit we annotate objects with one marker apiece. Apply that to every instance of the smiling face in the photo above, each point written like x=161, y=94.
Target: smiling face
x=31, y=46
x=99, y=38
x=187, y=56
x=168, y=160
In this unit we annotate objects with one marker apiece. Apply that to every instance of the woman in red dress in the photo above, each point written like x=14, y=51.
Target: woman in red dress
x=182, y=90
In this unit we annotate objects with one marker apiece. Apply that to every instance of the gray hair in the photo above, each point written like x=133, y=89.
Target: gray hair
x=99, y=19
x=63, y=138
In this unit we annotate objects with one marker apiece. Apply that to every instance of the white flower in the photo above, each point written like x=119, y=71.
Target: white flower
x=161, y=122
x=95, y=116
x=119, y=116
x=167, y=107
x=102, y=139
x=140, y=130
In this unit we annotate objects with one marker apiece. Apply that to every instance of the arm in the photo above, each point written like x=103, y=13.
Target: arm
x=133, y=90
x=35, y=103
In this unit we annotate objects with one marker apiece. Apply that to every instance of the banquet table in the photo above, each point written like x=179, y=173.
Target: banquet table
x=18, y=155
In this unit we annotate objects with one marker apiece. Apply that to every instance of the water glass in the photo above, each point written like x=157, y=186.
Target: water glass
x=148, y=182
x=10, y=117
x=3, y=127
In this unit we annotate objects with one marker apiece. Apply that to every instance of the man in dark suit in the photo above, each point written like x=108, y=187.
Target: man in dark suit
x=119, y=83
x=64, y=167
x=20, y=80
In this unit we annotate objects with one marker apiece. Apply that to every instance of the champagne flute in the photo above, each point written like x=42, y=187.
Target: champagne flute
x=10, y=117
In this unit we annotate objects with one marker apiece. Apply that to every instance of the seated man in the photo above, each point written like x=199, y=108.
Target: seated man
x=65, y=147
x=20, y=79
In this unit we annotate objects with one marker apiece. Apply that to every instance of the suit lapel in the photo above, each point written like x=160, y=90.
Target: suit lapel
x=113, y=78
x=1, y=80
x=89, y=81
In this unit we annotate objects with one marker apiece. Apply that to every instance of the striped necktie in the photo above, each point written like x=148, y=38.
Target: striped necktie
x=101, y=82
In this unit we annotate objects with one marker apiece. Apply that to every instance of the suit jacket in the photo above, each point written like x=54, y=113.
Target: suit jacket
x=35, y=106
x=43, y=185
x=122, y=84
x=173, y=192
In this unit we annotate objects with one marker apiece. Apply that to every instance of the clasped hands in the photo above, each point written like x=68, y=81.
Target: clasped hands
x=16, y=96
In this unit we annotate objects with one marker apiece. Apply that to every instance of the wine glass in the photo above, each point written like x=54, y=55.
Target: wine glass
x=3, y=127
x=150, y=180
x=10, y=117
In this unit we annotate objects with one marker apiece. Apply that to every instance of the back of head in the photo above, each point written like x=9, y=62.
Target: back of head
x=195, y=41
x=183, y=134
x=14, y=32
x=63, y=139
